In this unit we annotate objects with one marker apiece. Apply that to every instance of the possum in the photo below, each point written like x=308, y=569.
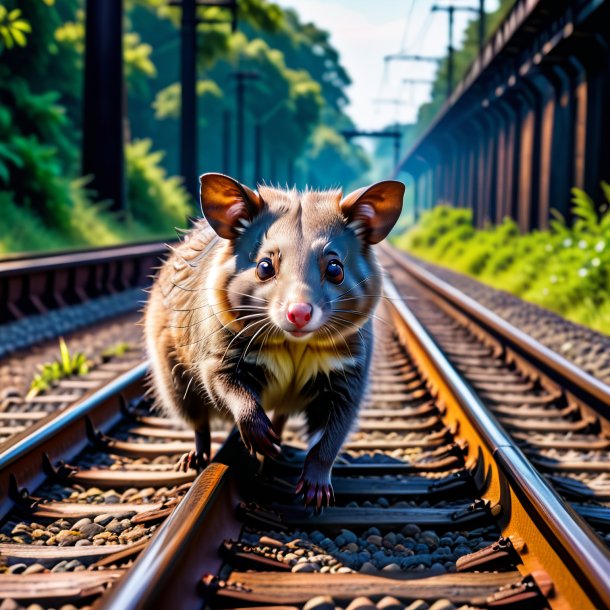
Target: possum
x=267, y=305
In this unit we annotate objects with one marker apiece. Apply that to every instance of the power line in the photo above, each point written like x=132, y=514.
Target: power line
x=405, y=34
x=450, y=10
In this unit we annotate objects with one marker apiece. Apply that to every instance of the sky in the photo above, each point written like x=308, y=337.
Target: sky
x=364, y=31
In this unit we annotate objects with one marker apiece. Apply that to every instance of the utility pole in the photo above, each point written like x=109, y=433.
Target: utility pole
x=241, y=76
x=226, y=142
x=395, y=135
x=482, y=25
x=188, y=82
x=258, y=152
x=188, y=96
x=450, y=10
x=103, y=111
x=258, y=139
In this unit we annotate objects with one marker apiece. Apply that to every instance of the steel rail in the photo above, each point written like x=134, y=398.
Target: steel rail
x=565, y=529
x=60, y=434
x=585, y=386
x=39, y=433
x=30, y=263
x=181, y=550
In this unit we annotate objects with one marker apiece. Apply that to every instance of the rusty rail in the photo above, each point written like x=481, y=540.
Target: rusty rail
x=568, y=375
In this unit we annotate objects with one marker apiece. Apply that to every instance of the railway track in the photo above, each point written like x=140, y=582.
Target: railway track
x=89, y=297
x=435, y=507
x=558, y=414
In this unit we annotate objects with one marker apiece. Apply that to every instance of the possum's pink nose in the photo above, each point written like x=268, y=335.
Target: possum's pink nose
x=299, y=314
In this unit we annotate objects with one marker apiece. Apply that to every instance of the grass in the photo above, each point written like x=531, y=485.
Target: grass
x=67, y=365
x=117, y=350
x=157, y=204
x=565, y=269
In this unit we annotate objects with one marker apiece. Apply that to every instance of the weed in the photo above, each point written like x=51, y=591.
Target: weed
x=565, y=269
x=50, y=373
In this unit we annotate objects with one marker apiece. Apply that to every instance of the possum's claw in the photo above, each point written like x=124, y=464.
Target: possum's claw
x=318, y=491
x=192, y=460
x=258, y=435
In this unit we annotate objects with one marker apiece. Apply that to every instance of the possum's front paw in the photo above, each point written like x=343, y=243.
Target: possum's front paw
x=258, y=434
x=192, y=460
x=314, y=483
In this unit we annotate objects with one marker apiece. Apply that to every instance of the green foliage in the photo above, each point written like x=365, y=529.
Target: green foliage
x=66, y=365
x=167, y=101
x=13, y=28
x=46, y=203
x=565, y=269
x=155, y=200
x=118, y=350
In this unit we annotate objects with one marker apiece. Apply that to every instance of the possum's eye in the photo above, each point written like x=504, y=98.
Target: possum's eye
x=334, y=271
x=264, y=269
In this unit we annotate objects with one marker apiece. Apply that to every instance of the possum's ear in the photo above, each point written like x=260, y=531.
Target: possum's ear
x=227, y=205
x=373, y=210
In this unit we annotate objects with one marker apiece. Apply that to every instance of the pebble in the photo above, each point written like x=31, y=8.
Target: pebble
x=429, y=538
x=389, y=603
x=83, y=542
x=349, y=536
x=442, y=604
x=410, y=529
x=392, y=567
x=90, y=529
x=267, y=541
x=462, y=549
x=390, y=537
x=352, y=547
x=321, y=602
x=103, y=519
x=79, y=524
x=361, y=603
x=368, y=568
x=306, y=567
x=59, y=567
x=9, y=604
x=34, y=568
x=374, y=539
x=116, y=526
x=418, y=604
x=17, y=568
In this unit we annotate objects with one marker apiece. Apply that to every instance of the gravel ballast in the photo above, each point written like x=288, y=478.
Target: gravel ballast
x=584, y=347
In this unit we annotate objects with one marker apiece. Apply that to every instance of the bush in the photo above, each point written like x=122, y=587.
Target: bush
x=565, y=269
x=158, y=202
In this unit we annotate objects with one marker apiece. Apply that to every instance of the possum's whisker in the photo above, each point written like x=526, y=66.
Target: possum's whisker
x=223, y=327
x=364, y=314
x=244, y=329
x=336, y=350
x=200, y=288
x=232, y=310
x=381, y=296
x=368, y=277
x=258, y=332
x=340, y=320
x=264, y=340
